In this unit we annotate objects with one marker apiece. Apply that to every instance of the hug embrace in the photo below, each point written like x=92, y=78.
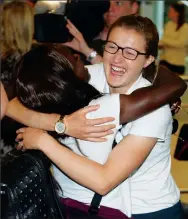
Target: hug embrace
x=134, y=178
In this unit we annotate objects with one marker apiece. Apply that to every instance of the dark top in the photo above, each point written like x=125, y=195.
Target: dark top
x=7, y=74
x=9, y=126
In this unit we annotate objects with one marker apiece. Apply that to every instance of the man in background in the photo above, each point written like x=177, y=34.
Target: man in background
x=116, y=10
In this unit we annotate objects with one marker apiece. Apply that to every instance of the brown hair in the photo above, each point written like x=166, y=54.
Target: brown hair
x=180, y=9
x=17, y=22
x=147, y=28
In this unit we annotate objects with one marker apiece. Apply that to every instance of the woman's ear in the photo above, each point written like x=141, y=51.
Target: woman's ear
x=134, y=8
x=149, y=60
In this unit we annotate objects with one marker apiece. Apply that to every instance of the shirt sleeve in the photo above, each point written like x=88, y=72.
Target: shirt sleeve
x=155, y=124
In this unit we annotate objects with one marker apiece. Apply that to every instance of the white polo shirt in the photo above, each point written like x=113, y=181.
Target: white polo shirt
x=99, y=152
x=152, y=186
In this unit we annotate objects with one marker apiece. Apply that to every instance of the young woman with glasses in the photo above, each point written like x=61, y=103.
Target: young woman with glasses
x=142, y=155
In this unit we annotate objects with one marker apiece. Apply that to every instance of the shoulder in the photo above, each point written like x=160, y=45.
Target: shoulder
x=99, y=68
x=156, y=124
x=141, y=82
x=164, y=113
x=185, y=27
x=158, y=116
x=169, y=24
x=7, y=66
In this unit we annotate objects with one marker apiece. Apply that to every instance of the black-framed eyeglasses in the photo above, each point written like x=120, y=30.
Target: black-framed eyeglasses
x=127, y=52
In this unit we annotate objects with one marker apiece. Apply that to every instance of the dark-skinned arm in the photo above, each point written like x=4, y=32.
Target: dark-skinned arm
x=167, y=87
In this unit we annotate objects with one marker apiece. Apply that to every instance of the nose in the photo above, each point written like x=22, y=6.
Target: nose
x=118, y=56
x=112, y=6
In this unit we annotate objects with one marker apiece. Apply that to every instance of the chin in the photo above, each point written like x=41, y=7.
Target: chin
x=110, y=21
x=114, y=85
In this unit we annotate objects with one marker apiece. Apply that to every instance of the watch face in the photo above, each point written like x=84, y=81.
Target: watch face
x=60, y=127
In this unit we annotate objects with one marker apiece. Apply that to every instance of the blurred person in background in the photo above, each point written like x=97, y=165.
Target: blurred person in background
x=17, y=28
x=87, y=16
x=4, y=101
x=116, y=10
x=111, y=13
x=143, y=153
x=175, y=39
x=17, y=22
x=32, y=3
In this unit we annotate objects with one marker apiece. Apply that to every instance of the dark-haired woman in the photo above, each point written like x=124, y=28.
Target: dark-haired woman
x=141, y=158
x=175, y=39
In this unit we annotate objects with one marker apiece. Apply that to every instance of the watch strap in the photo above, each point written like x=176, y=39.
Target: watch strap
x=60, y=119
x=92, y=55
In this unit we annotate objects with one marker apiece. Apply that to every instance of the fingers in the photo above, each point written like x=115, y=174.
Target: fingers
x=176, y=107
x=96, y=139
x=19, y=137
x=97, y=121
x=100, y=121
x=176, y=104
x=22, y=130
x=104, y=128
x=70, y=23
x=20, y=146
x=73, y=32
x=72, y=29
x=88, y=109
x=101, y=134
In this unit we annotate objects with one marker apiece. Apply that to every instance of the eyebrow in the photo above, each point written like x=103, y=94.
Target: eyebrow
x=138, y=50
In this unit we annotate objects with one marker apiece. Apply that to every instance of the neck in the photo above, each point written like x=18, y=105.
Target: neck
x=103, y=34
x=105, y=29
x=119, y=90
x=124, y=89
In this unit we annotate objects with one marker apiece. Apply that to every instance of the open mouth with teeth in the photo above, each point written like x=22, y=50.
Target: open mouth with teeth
x=117, y=71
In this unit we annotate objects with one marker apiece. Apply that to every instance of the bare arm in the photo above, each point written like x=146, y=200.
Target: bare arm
x=126, y=157
x=79, y=44
x=77, y=124
x=4, y=101
x=166, y=88
x=21, y=114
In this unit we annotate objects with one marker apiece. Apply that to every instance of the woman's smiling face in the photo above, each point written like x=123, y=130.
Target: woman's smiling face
x=121, y=73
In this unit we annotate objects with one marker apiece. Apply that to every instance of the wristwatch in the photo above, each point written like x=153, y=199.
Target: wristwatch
x=60, y=126
x=92, y=55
